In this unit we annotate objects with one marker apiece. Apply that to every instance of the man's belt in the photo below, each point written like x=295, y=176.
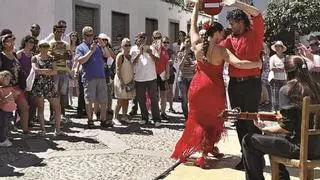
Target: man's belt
x=241, y=79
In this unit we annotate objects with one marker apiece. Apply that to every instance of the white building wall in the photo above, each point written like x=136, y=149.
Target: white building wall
x=19, y=15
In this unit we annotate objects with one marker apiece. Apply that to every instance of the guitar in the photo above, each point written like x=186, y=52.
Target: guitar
x=236, y=114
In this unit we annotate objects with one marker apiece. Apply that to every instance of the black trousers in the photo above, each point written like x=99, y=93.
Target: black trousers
x=254, y=146
x=245, y=95
x=135, y=104
x=151, y=88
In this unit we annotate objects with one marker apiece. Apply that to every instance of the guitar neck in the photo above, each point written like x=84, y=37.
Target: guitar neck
x=263, y=116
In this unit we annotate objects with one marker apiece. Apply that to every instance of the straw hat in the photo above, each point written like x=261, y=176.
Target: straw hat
x=279, y=43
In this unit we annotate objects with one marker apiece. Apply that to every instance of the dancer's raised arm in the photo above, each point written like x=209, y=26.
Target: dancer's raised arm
x=194, y=34
x=250, y=10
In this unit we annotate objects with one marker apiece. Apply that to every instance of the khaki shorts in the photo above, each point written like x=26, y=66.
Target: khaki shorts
x=61, y=81
x=95, y=90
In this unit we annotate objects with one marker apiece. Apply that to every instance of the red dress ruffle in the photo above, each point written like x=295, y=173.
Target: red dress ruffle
x=206, y=100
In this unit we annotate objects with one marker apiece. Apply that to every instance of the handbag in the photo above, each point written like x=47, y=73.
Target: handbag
x=130, y=86
x=30, y=80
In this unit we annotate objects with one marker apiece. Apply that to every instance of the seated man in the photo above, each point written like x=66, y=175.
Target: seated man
x=290, y=96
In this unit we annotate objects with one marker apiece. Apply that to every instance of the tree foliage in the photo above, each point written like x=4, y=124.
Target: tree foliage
x=299, y=16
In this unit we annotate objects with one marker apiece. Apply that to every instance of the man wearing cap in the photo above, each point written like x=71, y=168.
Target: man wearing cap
x=245, y=42
x=145, y=77
x=90, y=54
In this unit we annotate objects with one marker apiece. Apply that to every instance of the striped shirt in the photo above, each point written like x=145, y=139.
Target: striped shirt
x=186, y=65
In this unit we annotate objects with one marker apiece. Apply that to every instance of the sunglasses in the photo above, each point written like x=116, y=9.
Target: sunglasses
x=127, y=45
x=44, y=46
x=88, y=35
x=104, y=39
x=159, y=37
x=166, y=42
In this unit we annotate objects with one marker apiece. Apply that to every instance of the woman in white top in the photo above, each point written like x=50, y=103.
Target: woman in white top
x=277, y=76
x=123, y=77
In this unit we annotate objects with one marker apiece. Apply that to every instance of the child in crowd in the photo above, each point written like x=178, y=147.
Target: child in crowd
x=7, y=106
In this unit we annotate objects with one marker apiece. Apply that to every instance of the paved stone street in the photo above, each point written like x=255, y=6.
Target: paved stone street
x=131, y=151
x=128, y=152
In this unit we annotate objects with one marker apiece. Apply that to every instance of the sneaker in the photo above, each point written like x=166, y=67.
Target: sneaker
x=125, y=119
x=6, y=143
x=65, y=120
x=60, y=133
x=157, y=124
x=116, y=122
x=106, y=124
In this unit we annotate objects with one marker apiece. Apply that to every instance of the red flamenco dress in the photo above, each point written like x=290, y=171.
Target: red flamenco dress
x=206, y=100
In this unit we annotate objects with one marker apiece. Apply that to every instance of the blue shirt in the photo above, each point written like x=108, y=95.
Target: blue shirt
x=94, y=67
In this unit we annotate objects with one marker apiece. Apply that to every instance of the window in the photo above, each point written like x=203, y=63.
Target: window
x=173, y=31
x=86, y=16
x=151, y=25
x=120, y=25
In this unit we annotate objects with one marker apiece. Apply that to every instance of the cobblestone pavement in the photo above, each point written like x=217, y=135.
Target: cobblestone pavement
x=131, y=151
x=128, y=152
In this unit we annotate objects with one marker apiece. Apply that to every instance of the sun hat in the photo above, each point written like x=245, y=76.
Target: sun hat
x=278, y=43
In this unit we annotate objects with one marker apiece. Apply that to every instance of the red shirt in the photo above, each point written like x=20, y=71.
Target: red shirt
x=161, y=65
x=246, y=47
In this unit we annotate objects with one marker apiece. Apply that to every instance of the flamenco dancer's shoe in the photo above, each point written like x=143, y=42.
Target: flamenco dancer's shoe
x=200, y=162
x=183, y=159
x=216, y=153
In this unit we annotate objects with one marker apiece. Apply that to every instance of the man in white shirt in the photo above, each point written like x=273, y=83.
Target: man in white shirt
x=145, y=77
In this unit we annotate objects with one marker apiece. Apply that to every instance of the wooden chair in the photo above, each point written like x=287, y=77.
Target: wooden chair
x=306, y=166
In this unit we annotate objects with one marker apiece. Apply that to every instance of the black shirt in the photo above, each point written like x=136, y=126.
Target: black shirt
x=292, y=114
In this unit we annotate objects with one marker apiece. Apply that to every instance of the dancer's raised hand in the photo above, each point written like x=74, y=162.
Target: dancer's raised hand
x=228, y=2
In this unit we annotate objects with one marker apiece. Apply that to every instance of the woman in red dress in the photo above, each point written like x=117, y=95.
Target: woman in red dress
x=207, y=92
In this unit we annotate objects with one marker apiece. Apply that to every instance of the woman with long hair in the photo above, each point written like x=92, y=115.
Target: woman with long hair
x=207, y=92
x=286, y=142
